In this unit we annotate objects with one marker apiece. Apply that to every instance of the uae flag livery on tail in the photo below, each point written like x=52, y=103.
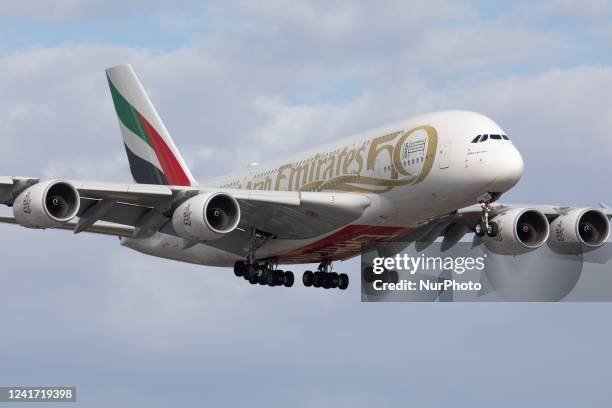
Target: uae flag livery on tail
x=153, y=156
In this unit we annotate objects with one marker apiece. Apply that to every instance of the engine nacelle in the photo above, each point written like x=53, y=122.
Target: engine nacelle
x=520, y=230
x=579, y=230
x=206, y=216
x=46, y=204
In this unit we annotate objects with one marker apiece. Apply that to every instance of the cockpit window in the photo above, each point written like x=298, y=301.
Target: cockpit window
x=483, y=138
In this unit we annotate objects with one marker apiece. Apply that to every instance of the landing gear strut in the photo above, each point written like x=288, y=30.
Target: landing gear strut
x=484, y=226
x=325, y=278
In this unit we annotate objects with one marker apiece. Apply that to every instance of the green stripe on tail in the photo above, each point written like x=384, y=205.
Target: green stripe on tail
x=127, y=114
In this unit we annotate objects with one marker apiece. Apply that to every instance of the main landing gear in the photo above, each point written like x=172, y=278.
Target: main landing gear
x=484, y=226
x=325, y=278
x=267, y=272
x=263, y=274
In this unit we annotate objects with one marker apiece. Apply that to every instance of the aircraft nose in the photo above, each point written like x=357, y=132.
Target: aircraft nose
x=508, y=167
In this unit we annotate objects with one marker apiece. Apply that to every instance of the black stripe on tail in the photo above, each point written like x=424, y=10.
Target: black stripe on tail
x=143, y=171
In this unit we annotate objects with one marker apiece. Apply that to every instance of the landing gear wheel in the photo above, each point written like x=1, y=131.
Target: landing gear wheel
x=253, y=279
x=317, y=280
x=479, y=229
x=333, y=280
x=493, y=229
x=239, y=268
x=326, y=284
x=393, y=276
x=279, y=277
x=343, y=281
x=270, y=277
x=308, y=278
x=288, y=279
x=368, y=274
x=262, y=276
x=250, y=272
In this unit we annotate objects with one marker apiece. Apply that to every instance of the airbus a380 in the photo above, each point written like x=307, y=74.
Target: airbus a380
x=436, y=175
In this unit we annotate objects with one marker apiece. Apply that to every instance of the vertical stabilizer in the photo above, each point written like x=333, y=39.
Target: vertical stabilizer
x=153, y=156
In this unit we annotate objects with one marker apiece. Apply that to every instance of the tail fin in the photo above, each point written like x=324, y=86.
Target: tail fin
x=153, y=156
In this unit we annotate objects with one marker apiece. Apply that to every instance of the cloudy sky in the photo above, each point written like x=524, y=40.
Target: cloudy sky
x=238, y=82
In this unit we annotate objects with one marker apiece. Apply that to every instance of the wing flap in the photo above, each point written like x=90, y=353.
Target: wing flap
x=304, y=215
x=103, y=228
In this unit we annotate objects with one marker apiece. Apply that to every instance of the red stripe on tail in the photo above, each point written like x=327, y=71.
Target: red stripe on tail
x=172, y=168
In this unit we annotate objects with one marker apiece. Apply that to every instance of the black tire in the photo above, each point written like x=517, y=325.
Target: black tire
x=288, y=279
x=279, y=277
x=333, y=280
x=493, y=229
x=239, y=268
x=393, y=276
x=317, y=280
x=253, y=279
x=368, y=274
x=326, y=281
x=270, y=277
x=250, y=272
x=343, y=281
x=262, y=276
x=479, y=229
x=307, y=278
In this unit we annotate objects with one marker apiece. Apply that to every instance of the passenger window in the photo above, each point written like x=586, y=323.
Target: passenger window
x=505, y=137
x=475, y=140
x=496, y=137
x=484, y=137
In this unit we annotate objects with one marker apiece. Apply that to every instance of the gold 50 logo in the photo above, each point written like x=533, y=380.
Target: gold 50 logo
x=378, y=165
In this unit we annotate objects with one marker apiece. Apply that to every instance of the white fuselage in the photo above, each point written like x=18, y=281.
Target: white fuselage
x=411, y=170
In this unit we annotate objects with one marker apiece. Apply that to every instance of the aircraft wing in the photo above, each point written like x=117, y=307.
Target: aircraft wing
x=551, y=211
x=454, y=226
x=147, y=208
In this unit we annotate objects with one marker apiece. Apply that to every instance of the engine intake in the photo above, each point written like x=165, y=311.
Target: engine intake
x=579, y=230
x=47, y=204
x=206, y=216
x=520, y=230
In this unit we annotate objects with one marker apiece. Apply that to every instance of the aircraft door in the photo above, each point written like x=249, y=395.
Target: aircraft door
x=444, y=159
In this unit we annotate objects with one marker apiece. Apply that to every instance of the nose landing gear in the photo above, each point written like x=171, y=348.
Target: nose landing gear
x=485, y=226
x=325, y=278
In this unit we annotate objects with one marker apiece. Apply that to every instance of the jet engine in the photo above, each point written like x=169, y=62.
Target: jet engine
x=206, y=216
x=46, y=204
x=579, y=230
x=520, y=230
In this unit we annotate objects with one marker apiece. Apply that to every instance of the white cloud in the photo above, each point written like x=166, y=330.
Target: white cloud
x=237, y=95
x=70, y=10
x=576, y=10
